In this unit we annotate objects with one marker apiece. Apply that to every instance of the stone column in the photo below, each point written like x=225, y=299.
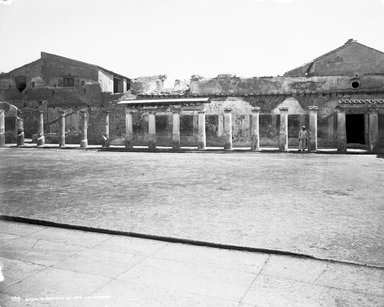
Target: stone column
x=201, y=138
x=283, y=137
x=84, y=129
x=176, y=129
x=228, y=129
x=152, y=130
x=220, y=124
x=366, y=128
x=274, y=122
x=255, y=136
x=341, y=131
x=312, y=146
x=106, y=131
x=128, y=129
x=2, y=128
x=20, y=132
x=373, y=130
x=62, y=129
x=40, y=129
x=330, y=126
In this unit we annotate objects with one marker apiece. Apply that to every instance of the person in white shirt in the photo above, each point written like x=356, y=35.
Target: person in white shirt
x=303, y=138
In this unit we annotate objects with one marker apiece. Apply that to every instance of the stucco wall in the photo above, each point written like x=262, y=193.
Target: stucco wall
x=105, y=81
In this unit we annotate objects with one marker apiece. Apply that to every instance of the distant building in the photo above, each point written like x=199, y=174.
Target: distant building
x=54, y=82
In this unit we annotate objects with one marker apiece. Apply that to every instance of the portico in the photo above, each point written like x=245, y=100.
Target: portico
x=351, y=133
x=176, y=107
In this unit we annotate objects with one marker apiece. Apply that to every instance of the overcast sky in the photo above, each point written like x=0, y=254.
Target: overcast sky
x=180, y=38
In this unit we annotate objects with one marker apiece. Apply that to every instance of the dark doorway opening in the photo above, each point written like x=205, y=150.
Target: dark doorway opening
x=116, y=87
x=21, y=83
x=355, y=128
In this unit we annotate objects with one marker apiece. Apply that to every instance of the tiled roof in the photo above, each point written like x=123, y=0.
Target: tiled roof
x=361, y=101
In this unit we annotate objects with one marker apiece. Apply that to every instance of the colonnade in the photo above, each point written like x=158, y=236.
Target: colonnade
x=201, y=134
x=227, y=129
x=40, y=129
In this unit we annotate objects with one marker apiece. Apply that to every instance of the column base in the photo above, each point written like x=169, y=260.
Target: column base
x=228, y=146
x=128, y=144
x=255, y=144
x=312, y=147
x=201, y=146
x=84, y=143
x=152, y=145
x=341, y=146
x=176, y=145
x=255, y=148
x=41, y=140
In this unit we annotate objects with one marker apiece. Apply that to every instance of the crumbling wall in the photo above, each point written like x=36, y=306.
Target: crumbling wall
x=148, y=85
x=235, y=86
x=29, y=71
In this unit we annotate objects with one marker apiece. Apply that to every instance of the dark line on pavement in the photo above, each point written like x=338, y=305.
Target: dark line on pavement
x=18, y=219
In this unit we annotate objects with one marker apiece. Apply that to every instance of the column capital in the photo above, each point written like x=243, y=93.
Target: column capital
x=255, y=110
x=227, y=110
x=283, y=109
x=176, y=110
x=1, y=111
x=128, y=110
x=313, y=108
x=372, y=111
x=201, y=111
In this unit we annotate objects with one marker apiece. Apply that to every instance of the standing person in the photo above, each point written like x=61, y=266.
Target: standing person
x=303, y=138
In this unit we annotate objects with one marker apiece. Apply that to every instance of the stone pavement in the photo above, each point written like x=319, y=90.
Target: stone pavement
x=48, y=266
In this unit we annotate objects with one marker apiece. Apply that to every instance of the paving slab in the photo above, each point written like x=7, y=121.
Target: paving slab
x=18, y=229
x=355, y=278
x=16, y=270
x=16, y=248
x=52, y=282
x=124, y=293
x=47, y=252
x=101, y=263
x=300, y=269
x=275, y=291
x=7, y=236
x=222, y=258
x=68, y=236
x=187, y=277
x=131, y=245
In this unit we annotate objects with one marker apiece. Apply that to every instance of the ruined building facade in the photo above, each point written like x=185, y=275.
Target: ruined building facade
x=346, y=84
x=53, y=83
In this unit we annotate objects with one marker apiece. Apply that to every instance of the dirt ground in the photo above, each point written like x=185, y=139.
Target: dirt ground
x=329, y=206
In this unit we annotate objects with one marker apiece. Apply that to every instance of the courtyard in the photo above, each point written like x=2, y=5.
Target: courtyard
x=322, y=205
